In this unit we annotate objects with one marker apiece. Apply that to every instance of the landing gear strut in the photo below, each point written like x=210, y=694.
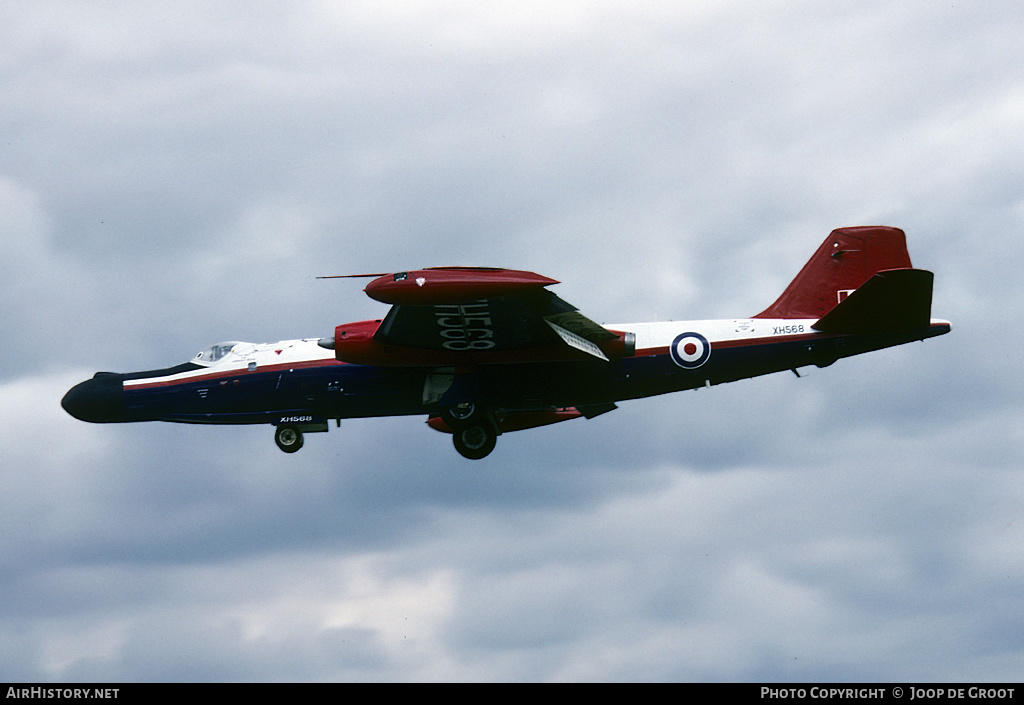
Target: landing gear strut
x=288, y=438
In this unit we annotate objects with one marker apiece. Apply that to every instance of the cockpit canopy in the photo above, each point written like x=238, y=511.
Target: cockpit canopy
x=215, y=353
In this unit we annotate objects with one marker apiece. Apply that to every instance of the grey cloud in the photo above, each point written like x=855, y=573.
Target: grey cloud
x=174, y=177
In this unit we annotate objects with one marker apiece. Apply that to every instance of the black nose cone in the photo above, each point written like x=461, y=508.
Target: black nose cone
x=99, y=400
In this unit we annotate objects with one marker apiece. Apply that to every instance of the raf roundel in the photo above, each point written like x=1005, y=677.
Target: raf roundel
x=690, y=350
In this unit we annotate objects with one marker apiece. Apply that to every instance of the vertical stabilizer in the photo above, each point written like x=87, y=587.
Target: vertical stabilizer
x=847, y=259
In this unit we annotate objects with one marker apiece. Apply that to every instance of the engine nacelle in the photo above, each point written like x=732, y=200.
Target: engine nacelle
x=355, y=343
x=518, y=420
x=623, y=345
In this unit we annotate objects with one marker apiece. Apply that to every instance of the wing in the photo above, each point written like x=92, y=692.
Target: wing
x=473, y=315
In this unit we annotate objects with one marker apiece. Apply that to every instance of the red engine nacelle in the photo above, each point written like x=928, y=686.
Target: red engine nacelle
x=355, y=343
x=518, y=420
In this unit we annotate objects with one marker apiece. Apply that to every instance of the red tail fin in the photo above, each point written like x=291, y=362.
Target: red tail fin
x=847, y=259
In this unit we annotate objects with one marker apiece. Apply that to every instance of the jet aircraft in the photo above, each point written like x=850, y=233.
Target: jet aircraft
x=482, y=351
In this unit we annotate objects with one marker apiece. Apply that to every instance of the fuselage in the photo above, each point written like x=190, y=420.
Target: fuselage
x=299, y=382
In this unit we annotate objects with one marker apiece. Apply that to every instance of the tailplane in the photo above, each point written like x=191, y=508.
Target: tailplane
x=893, y=301
x=847, y=259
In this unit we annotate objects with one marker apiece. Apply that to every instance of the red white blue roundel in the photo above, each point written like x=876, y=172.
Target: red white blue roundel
x=690, y=350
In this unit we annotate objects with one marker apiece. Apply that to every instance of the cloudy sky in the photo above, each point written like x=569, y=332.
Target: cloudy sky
x=176, y=174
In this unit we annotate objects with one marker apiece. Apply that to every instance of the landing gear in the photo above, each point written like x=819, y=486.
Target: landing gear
x=288, y=438
x=289, y=431
x=475, y=442
x=474, y=429
x=461, y=415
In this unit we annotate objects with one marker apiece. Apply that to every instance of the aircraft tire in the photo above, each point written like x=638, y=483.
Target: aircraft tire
x=288, y=438
x=461, y=415
x=475, y=442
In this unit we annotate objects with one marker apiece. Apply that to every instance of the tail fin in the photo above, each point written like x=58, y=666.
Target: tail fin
x=847, y=259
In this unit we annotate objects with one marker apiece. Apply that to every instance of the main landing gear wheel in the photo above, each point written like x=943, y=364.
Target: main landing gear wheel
x=475, y=442
x=461, y=415
x=288, y=438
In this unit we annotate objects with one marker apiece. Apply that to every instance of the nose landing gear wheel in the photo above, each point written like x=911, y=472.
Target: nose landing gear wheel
x=475, y=442
x=288, y=438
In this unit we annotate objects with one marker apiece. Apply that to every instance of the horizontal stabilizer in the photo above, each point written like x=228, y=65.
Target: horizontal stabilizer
x=890, y=301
